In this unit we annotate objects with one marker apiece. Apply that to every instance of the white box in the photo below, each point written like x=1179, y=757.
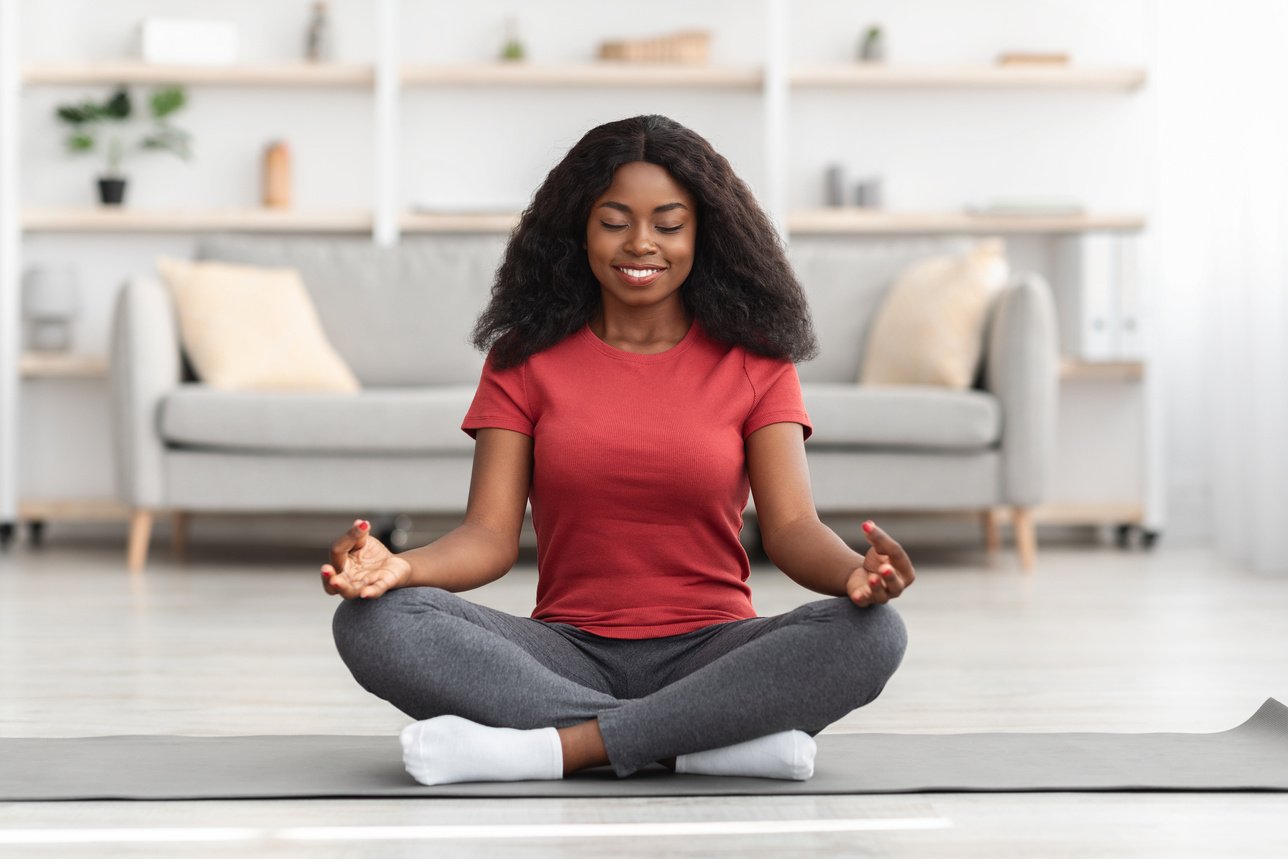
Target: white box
x=188, y=42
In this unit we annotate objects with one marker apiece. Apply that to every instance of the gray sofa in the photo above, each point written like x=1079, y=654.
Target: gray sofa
x=401, y=317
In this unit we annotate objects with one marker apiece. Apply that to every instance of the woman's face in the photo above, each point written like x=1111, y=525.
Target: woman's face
x=640, y=236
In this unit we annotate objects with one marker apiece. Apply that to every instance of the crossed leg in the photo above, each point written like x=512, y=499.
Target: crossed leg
x=431, y=653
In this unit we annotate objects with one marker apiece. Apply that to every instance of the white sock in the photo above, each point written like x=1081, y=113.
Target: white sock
x=449, y=749
x=785, y=755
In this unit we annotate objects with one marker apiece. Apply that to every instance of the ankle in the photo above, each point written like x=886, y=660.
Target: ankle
x=583, y=747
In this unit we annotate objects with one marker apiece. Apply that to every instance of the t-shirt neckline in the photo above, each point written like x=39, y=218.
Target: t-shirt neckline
x=690, y=337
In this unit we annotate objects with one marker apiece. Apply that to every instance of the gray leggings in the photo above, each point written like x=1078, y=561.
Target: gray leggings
x=431, y=653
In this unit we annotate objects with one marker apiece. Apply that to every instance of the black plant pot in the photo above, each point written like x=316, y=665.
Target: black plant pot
x=111, y=192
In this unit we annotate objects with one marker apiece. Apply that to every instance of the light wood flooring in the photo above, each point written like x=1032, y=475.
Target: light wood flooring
x=237, y=641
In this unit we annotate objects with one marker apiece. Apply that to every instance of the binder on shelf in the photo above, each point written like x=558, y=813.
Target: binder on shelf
x=1086, y=284
x=1130, y=344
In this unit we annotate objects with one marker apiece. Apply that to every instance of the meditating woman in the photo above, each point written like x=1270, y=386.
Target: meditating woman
x=641, y=337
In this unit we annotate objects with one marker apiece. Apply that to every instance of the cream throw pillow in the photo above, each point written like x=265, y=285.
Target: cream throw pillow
x=930, y=328
x=253, y=329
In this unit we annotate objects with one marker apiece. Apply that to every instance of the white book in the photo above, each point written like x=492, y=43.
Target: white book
x=1130, y=345
x=1085, y=280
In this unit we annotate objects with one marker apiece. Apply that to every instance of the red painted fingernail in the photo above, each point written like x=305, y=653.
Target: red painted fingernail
x=362, y=526
x=885, y=571
x=327, y=573
x=868, y=526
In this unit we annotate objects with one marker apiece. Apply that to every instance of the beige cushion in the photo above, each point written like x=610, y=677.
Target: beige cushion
x=252, y=329
x=930, y=328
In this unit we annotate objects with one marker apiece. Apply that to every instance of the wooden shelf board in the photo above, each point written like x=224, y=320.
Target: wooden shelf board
x=259, y=74
x=603, y=73
x=854, y=220
x=878, y=76
x=1112, y=371
x=448, y=222
x=36, y=365
x=89, y=509
x=183, y=221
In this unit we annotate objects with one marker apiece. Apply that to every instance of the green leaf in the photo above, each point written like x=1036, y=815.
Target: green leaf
x=74, y=114
x=118, y=106
x=80, y=141
x=167, y=100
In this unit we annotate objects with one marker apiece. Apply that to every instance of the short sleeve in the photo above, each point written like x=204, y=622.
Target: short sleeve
x=500, y=402
x=776, y=391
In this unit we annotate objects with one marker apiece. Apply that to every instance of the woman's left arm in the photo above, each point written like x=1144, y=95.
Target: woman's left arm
x=799, y=544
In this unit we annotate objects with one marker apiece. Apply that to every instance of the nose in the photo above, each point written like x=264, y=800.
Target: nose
x=639, y=243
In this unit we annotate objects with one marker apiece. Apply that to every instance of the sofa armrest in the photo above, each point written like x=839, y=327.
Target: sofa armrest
x=1021, y=368
x=145, y=365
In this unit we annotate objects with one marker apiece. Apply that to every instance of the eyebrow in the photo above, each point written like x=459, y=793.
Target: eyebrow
x=622, y=207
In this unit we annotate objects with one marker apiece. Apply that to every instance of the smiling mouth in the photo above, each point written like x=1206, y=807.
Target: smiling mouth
x=638, y=275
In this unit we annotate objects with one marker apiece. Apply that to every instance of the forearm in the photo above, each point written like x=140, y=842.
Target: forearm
x=812, y=555
x=466, y=557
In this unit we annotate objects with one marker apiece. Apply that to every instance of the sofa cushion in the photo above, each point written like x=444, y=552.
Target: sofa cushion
x=845, y=279
x=398, y=315
x=377, y=421
x=930, y=328
x=250, y=328
x=911, y=416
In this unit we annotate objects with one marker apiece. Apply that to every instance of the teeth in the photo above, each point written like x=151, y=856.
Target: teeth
x=640, y=272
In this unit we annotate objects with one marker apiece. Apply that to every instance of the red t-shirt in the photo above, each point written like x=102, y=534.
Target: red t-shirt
x=639, y=477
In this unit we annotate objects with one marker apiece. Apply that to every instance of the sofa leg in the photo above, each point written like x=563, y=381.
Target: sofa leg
x=1026, y=540
x=992, y=531
x=179, y=533
x=136, y=554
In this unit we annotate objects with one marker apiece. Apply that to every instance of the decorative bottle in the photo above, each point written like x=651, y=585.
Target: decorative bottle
x=277, y=175
x=320, y=44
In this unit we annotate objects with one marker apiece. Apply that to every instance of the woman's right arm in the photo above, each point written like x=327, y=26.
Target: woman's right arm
x=481, y=550
x=486, y=545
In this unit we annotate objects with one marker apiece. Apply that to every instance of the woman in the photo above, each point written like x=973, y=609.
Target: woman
x=639, y=381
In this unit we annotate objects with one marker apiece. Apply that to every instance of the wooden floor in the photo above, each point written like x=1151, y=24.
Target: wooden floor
x=237, y=641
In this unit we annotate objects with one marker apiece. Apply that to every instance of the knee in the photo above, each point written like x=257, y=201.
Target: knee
x=366, y=626
x=870, y=646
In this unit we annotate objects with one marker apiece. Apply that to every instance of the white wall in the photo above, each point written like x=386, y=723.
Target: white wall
x=936, y=150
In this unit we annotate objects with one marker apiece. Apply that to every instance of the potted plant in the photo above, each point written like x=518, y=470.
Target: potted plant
x=107, y=124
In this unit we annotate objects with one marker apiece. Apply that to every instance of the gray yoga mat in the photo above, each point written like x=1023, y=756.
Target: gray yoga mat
x=1252, y=756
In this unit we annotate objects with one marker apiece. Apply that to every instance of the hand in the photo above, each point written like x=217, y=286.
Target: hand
x=886, y=571
x=361, y=566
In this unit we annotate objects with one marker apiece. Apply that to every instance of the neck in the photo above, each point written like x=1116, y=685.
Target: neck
x=644, y=330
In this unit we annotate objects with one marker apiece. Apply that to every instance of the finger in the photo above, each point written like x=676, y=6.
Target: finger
x=874, y=560
x=877, y=591
x=327, y=573
x=377, y=585
x=888, y=546
x=354, y=538
x=891, y=580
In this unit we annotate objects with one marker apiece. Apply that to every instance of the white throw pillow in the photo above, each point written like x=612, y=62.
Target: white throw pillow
x=247, y=328
x=930, y=328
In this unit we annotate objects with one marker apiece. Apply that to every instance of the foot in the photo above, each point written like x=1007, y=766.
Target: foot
x=449, y=749
x=785, y=755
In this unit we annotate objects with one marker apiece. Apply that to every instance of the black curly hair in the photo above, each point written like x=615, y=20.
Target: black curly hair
x=741, y=289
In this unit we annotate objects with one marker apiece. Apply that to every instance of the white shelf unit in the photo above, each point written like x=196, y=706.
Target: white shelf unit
x=386, y=79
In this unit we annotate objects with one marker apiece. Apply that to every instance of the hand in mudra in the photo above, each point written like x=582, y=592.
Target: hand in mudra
x=362, y=567
x=886, y=572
